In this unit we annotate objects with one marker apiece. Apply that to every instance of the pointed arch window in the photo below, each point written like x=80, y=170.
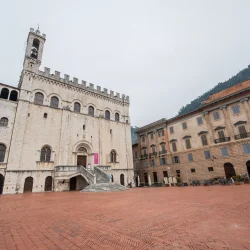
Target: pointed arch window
x=91, y=111
x=77, y=107
x=117, y=117
x=39, y=98
x=54, y=102
x=2, y=152
x=113, y=156
x=107, y=115
x=4, y=122
x=45, y=154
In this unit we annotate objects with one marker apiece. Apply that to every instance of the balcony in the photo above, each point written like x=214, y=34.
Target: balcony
x=163, y=152
x=144, y=156
x=242, y=136
x=152, y=154
x=223, y=139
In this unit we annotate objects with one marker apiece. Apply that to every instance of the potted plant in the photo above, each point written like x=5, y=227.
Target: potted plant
x=236, y=179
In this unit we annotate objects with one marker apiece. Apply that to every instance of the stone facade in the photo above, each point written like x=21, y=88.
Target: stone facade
x=213, y=141
x=75, y=122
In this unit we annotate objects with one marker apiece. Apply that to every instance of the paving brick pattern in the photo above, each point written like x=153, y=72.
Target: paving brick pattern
x=189, y=218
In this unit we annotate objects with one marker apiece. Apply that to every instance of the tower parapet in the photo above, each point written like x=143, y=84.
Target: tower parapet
x=83, y=85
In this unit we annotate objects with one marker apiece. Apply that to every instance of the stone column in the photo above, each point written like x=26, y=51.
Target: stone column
x=149, y=180
x=229, y=125
x=209, y=127
x=246, y=108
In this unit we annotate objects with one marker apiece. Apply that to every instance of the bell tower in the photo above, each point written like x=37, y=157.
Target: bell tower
x=34, y=50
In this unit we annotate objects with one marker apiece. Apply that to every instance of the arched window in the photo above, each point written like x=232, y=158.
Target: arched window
x=4, y=93
x=35, y=48
x=45, y=154
x=77, y=107
x=91, y=111
x=113, y=156
x=107, y=115
x=38, y=98
x=2, y=152
x=117, y=117
x=13, y=95
x=54, y=102
x=4, y=122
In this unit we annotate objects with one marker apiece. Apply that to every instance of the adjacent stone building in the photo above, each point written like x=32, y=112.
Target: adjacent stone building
x=54, y=131
x=212, y=141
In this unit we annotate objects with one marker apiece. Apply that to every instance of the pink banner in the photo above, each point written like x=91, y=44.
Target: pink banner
x=96, y=158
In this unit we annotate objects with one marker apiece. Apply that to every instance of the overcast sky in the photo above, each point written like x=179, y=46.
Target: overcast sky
x=162, y=53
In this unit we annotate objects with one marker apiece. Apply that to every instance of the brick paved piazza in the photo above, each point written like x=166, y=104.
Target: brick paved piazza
x=143, y=218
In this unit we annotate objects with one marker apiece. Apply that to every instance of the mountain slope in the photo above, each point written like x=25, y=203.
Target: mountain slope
x=242, y=76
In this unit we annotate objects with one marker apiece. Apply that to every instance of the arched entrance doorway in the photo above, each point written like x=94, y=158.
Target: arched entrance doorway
x=229, y=170
x=248, y=167
x=28, y=185
x=77, y=183
x=146, y=179
x=1, y=183
x=112, y=178
x=72, y=184
x=122, y=179
x=48, y=183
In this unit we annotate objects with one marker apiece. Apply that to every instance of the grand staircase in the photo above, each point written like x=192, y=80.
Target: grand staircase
x=94, y=176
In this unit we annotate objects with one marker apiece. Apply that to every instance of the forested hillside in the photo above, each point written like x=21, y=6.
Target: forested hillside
x=242, y=76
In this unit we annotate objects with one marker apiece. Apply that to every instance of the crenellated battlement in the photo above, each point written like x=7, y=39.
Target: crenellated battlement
x=83, y=85
x=37, y=32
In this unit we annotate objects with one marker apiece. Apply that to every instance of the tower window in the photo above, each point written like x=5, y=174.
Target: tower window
x=107, y=115
x=34, y=49
x=117, y=117
x=45, y=115
x=54, y=102
x=91, y=111
x=2, y=152
x=39, y=98
x=4, y=122
x=45, y=154
x=113, y=155
x=77, y=107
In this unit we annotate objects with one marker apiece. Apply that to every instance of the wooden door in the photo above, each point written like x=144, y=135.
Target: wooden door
x=28, y=185
x=48, y=183
x=72, y=184
x=122, y=179
x=1, y=183
x=229, y=170
x=81, y=160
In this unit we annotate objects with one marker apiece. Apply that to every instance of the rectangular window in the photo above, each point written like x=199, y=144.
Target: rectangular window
x=199, y=120
x=151, y=136
x=204, y=140
x=190, y=157
x=246, y=148
x=145, y=164
x=210, y=169
x=224, y=152
x=236, y=109
x=152, y=163
x=207, y=154
x=242, y=130
x=176, y=159
x=188, y=143
x=143, y=138
x=163, y=161
x=153, y=149
x=192, y=170
x=216, y=115
x=144, y=152
x=163, y=148
x=165, y=174
x=160, y=132
x=184, y=125
x=174, y=148
x=221, y=134
x=171, y=129
x=136, y=164
x=135, y=154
